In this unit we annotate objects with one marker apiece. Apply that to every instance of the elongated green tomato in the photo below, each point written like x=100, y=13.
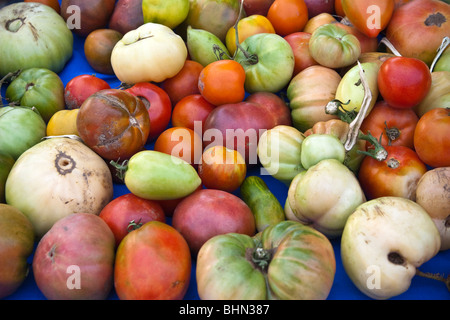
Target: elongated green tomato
x=40, y=88
x=317, y=147
x=205, y=47
x=156, y=175
x=268, y=62
x=170, y=13
x=287, y=261
x=333, y=47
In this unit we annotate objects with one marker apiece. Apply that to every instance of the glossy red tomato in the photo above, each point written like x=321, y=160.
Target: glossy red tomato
x=395, y=126
x=432, y=137
x=184, y=83
x=404, y=82
x=152, y=263
x=288, y=16
x=79, y=88
x=180, y=142
x=221, y=168
x=158, y=104
x=128, y=212
x=190, y=109
x=397, y=175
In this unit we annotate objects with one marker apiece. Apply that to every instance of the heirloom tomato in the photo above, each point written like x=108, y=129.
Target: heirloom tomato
x=392, y=125
x=246, y=27
x=80, y=87
x=404, y=82
x=167, y=12
x=317, y=147
x=158, y=104
x=222, y=82
x=114, y=123
x=63, y=122
x=180, y=142
x=397, y=175
x=190, y=109
x=288, y=16
x=160, y=249
x=22, y=24
x=299, y=42
x=222, y=168
x=51, y=3
x=128, y=212
x=369, y=16
x=432, y=137
x=184, y=83
x=289, y=261
x=40, y=88
x=98, y=47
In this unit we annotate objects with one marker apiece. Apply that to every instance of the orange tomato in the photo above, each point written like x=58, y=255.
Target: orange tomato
x=180, y=142
x=190, y=109
x=288, y=16
x=338, y=8
x=222, y=82
x=246, y=27
x=369, y=16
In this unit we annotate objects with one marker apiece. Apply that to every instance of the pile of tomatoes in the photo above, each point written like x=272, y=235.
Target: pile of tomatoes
x=259, y=82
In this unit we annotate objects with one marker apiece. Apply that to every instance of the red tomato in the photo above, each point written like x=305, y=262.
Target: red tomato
x=128, y=212
x=79, y=88
x=404, y=82
x=395, y=126
x=222, y=82
x=180, y=142
x=190, y=109
x=432, y=137
x=152, y=263
x=222, y=168
x=288, y=16
x=158, y=104
x=397, y=175
x=338, y=8
x=184, y=83
x=299, y=42
x=369, y=16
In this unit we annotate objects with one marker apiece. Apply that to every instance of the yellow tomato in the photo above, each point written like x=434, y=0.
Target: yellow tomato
x=63, y=122
x=247, y=27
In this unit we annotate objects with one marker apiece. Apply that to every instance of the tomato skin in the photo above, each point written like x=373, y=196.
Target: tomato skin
x=384, y=178
x=362, y=15
x=79, y=88
x=404, y=82
x=222, y=168
x=160, y=249
x=288, y=16
x=54, y=4
x=398, y=123
x=191, y=108
x=222, y=82
x=127, y=208
x=158, y=104
x=299, y=42
x=432, y=137
x=184, y=83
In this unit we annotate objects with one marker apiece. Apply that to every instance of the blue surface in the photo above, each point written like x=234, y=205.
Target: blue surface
x=343, y=288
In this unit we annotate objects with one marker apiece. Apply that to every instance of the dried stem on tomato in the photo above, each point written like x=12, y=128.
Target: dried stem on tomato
x=441, y=49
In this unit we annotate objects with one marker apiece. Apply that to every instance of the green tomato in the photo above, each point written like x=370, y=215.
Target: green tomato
x=333, y=47
x=40, y=88
x=317, y=147
x=33, y=35
x=443, y=63
x=159, y=176
x=287, y=261
x=20, y=129
x=170, y=13
x=201, y=44
x=268, y=61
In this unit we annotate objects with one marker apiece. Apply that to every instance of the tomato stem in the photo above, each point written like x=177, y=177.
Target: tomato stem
x=378, y=152
x=335, y=107
x=250, y=58
x=391, y=47
x=435, y=276
x=444, y=44
x=121, y=168
x=391, y=133
x=8, y=78
x=133, y=225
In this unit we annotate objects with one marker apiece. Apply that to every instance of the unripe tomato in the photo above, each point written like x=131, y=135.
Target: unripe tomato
x=63, y=122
